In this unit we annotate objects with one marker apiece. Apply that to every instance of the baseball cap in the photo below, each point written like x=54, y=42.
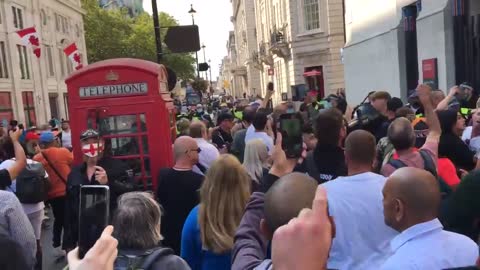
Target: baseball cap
x=89, y=134
x=46, y=137
x=31, y=136
x=224, y=116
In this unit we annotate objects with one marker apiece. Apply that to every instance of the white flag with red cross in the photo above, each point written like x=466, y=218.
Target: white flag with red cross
x=72, y=52
x=29, y=36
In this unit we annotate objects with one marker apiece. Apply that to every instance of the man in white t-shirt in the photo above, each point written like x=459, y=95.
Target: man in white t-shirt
x=258, y=129
x=362, y=239
x=209, y=153
x=66, y=135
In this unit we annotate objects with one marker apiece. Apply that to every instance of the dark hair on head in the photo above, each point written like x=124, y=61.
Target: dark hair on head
x=260, y=119
x=249, y=114
x=360, y=146
x=307, y=128
x=448, y=119
x=394, y=104
x=7, y=151
x=401, y=134
x=328, y=124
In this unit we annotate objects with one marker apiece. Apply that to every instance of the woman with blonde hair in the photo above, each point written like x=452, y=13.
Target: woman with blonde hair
x=255, y=161
x=208, y=232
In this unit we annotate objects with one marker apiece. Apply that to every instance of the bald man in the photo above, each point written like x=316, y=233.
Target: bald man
x=355, y=204
x=265, y=213
x=402, y=137
x=411, y=203
x=177, y=190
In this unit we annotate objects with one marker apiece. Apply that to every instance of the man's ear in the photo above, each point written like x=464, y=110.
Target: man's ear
x=265, y=230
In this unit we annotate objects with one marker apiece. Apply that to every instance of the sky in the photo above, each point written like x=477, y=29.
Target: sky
x=213, y=20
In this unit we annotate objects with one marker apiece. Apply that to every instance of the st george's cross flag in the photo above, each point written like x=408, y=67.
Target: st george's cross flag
x=29, y=36
x=72, y=52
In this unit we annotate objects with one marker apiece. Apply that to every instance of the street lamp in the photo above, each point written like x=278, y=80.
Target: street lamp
x=156, y=27
x=193, y=12
x=205, y=60
x=210, y=69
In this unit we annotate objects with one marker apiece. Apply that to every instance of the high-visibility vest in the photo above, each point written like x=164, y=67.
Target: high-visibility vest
x=465, y=111
x=238, y=115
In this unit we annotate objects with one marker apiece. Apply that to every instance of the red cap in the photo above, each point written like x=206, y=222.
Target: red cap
x=31, y=136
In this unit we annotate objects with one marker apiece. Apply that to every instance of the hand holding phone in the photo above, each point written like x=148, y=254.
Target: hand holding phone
x=101, y=256
x=94, y=216
x=292, y=137
x=15, y=134
x=101, y=175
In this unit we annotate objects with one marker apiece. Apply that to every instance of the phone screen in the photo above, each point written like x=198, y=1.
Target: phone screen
x=292, y=140
x=94, y=216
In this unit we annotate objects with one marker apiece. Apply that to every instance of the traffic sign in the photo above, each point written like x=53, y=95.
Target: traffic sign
x=182, y=39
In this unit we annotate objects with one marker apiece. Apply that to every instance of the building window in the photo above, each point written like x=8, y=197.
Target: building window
x=61, y=24
x=6, y=109
x=17, y=17
x=3, y=61
x=23, y=60
x=65, y=104
x=29, y=109
x=311, y=14
x=53, y=99
x=43, y=17
x=51, y=68
x=61, y=57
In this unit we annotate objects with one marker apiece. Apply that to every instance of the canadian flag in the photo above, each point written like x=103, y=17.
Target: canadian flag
x=72, y=52
x=29, y=36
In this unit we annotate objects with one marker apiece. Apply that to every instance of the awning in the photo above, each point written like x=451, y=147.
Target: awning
x=312, y=73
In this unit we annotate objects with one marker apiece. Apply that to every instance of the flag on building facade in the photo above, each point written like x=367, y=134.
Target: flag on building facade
x=72, y=52
x=30, y=37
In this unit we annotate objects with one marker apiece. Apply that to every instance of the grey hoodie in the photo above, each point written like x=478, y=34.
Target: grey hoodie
x=250, y=248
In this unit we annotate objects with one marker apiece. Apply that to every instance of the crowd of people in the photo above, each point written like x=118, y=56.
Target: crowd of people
x=386, y=185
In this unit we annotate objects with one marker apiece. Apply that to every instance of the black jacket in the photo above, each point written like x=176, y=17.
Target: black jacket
x=120, y=180
x=220, y=138
x=325, y=163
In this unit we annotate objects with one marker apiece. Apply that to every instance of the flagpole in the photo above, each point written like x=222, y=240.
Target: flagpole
x=44, y=93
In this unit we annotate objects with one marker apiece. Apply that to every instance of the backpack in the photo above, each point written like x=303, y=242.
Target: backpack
x=143, y=261
x=429, y=166
x=31, y=184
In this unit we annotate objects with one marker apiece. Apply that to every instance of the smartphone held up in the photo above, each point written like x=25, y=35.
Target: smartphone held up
x=292, y=139
x=94, y=215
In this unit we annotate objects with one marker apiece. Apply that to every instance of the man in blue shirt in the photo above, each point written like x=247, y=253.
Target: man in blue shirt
x=411, y=202
x=355, y=205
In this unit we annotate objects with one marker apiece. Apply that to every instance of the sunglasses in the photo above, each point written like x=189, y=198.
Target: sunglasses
x=198, y=150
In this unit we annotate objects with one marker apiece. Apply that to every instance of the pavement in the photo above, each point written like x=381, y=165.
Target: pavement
x=53, y=258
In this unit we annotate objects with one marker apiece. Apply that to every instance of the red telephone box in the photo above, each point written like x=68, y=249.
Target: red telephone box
x=128, y=102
